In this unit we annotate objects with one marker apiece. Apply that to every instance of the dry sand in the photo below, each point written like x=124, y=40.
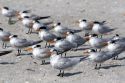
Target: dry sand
x=14, y=69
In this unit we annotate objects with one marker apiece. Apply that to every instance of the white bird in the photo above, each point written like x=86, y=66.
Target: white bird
x=4, y=37
x=7, y=12
x=99, y=57
x=97, y=43
x=28, y=23
x=22, y=14
x=116, y=46
x=62, y=45
x=62, y=64
x=36, y=25
x=99, y=28
x=40, y=53
x=19, y=44
x=85, y=26
x=75, y=39
x=47, y=36
x=60, y=30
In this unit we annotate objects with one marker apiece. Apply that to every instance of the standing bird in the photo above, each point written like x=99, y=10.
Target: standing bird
x=4, y=37
x=46, y=36
x=19, y=44
x=36, y=25
x=100, y=29
x=97, y=43
x=63, y=45
x=10, y=13
x=62, y=64
x=75, y=39
x=60, y=30
x=40, y=53
x=24, y=13
x=85, y=26
x=99, y=57
x=28, y=23
x=116, y=46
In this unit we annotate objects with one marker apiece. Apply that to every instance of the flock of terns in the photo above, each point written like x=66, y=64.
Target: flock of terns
x=63, y=40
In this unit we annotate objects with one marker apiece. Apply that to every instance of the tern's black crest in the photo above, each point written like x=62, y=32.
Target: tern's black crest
x=58, y=23
x=1, y=29
x=93, y=50
x=84, y=20
x=15, y=36
x=6, y=8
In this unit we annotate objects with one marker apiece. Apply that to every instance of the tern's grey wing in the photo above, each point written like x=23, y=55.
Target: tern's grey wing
x=4, y=36
x=49, y=37
x=67, y=62
x=105, y=30
x=67, y=45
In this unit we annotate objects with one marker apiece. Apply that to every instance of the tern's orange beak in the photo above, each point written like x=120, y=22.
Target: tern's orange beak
x=28, y=49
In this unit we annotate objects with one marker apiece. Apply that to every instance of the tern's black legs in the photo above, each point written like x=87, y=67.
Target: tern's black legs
x=29, y=31
x=98, y=66
x=4, y=45
x=18, y=52
x=61, y=73
x=43, y=62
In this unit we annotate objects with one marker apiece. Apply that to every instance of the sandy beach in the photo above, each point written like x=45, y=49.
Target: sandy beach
x=21, y=69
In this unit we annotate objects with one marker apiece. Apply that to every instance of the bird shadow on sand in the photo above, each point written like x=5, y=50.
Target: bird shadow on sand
x=121, y=58
x=6, y=63
x=81, y=49
x=71, y=74
x=110, y=66
x=26, y=54
x=5, y=52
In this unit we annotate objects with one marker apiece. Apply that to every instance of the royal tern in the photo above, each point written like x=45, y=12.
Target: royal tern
x=75, y=39
x=45, y=35
x=22, y=14
x=116, y=46
x=99, y=28
x=18, y=43
x=28, y=23
x=99, y=57
x=97, y=43
x=4, y=37
x=62, y=64
x=36, y=25
x=63, y=45
x=39, y=53
x=10, y=13
x=85, y=26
